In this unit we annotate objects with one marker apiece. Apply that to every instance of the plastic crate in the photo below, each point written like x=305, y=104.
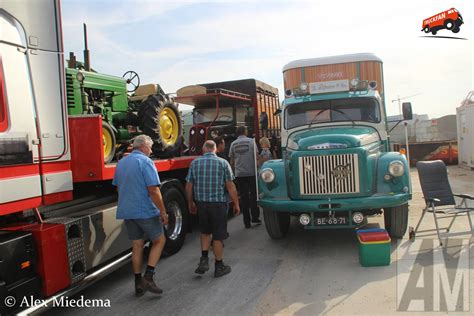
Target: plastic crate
x=374, y=247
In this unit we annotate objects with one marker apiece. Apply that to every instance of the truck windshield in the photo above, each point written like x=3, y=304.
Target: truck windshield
x=206, y=115
x=360, y=109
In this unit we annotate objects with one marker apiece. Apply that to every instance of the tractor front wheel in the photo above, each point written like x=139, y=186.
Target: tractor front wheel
x=109, y=142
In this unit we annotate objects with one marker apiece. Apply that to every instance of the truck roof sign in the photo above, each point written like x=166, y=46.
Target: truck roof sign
x=329, y=86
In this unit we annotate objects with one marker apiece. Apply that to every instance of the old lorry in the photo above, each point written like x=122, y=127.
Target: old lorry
x=58, y=231
x=336, y=168
x=220, y=107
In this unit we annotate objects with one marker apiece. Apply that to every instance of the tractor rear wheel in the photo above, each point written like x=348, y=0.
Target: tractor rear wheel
x=160, y=119
x=109, y=142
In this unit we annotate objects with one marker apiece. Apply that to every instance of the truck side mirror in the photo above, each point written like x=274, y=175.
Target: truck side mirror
x=406, y=110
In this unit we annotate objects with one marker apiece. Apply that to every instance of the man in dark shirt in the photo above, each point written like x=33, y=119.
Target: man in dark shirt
x=242, y=158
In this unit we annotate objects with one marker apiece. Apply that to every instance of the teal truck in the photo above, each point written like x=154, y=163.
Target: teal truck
x=337, y=167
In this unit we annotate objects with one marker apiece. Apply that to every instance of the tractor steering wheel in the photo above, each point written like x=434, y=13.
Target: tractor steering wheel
x=133, y=80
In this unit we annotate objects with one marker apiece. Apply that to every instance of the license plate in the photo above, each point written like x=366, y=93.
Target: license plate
x=320, y=221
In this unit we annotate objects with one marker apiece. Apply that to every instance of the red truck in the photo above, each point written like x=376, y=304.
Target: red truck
x=220, y=107
x=450, y=19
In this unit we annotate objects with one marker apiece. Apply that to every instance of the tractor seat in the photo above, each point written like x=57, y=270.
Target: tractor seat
x=143, y=91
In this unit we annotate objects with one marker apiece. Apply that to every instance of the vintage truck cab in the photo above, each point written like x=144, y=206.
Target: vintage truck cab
x=337, y=168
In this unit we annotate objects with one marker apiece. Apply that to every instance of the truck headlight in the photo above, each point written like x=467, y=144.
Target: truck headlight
x=267, y=175
x=291, y=144
x=396, y=168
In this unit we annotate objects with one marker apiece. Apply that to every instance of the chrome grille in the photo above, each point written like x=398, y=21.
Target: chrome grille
x=331, y=174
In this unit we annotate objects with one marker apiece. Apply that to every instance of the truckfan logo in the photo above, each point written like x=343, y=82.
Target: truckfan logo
x=450, y=19
x=341, y=172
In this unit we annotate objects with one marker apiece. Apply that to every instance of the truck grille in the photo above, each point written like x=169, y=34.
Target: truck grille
x=70, y=90
x=331, y=174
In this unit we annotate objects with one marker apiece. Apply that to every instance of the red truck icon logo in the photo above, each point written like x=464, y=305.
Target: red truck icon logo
x=450, y=19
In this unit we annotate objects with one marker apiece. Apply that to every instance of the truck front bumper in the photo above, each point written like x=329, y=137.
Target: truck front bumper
x=324, y=205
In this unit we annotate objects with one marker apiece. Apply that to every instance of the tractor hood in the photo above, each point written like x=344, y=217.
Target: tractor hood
x=333, y=137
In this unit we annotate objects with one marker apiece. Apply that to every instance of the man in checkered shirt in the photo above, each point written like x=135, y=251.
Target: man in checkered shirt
x=209, y=183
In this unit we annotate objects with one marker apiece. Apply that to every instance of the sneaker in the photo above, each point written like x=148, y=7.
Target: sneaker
x=257, y=221
x=203, y=265
x=139, y=290
x=221, y=270
x=149, y=284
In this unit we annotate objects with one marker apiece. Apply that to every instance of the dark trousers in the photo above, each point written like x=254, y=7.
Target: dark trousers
x=247, y=198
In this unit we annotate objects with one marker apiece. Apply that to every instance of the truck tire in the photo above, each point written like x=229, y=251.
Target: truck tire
x=178, y=220
x=160, y=119
x=276, y=223
x=396, y=220
x=449, y=24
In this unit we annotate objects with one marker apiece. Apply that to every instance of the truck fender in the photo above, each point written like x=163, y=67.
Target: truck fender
x=395, y=185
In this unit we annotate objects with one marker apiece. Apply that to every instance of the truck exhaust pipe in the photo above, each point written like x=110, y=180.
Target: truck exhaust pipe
x=87, y=60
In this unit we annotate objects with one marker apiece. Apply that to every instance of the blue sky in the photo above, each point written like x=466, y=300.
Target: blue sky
x=178, y=43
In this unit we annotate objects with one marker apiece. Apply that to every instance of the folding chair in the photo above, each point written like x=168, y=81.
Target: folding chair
x=439, y=199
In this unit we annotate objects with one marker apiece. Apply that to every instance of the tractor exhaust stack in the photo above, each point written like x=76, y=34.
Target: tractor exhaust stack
x=87, y=60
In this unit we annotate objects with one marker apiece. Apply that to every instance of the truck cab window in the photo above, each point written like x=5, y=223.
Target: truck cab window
x=360, y=109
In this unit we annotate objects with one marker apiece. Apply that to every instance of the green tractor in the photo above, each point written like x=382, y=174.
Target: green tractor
x=127, y=108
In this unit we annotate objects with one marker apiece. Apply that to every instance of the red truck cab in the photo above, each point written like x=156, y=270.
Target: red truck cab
x=450, y=19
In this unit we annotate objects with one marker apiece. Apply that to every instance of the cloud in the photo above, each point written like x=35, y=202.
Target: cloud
x=176, y=43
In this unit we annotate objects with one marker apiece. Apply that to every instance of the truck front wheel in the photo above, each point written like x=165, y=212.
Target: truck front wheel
x=276, y=223
x=396, y=220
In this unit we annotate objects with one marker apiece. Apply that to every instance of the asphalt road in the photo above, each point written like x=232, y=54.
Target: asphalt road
x=308, y=273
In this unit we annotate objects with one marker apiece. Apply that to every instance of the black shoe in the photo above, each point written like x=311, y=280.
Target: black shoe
x=139, y=290
x=203, y=265
x=257, y=221
x=221, y=270
x=248, y=226
x=149, y=284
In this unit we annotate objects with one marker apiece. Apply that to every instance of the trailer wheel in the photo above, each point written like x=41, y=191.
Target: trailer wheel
x=276, y=223
x=396, y=220
x=160, y=119
x=109, y=142
x=178, y=219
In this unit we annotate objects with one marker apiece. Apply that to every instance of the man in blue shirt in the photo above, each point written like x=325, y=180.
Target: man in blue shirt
x=141, y=205
x=208, y=180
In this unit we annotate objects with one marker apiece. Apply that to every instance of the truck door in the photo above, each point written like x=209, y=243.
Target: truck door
x=20, y=183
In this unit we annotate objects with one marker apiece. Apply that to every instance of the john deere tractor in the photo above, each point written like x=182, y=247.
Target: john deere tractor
x=128, y=109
